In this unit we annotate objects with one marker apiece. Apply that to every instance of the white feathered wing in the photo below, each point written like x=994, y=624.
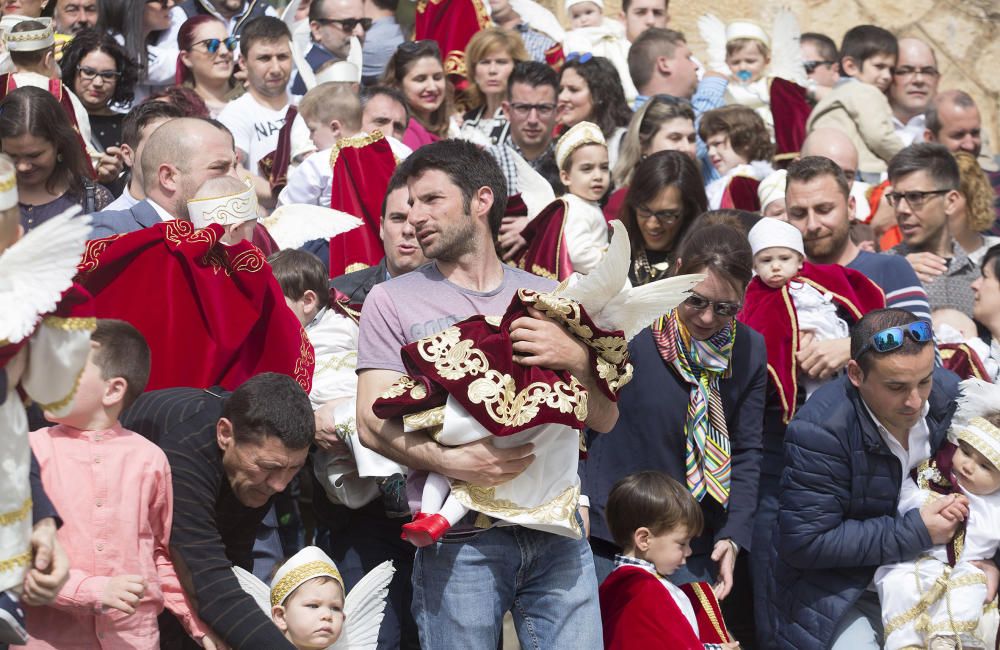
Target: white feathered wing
x=976, y=398
x=535, y=190
x=364, y=609
x=713, y=32
x=37, y=269
x=295, y=224
x=256, y=588
x=786, y=53
x=612, y=302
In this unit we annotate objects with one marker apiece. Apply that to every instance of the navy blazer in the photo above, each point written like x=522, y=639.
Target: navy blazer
x=649, y=435
x=118, y=222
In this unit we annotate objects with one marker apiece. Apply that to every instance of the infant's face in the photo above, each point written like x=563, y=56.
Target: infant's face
x=748, y=63
x=777, y=265
x=975, y=473
x=314, y=614
x=585, y=14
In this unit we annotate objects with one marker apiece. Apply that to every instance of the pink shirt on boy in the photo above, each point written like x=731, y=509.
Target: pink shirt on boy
x=113, y=491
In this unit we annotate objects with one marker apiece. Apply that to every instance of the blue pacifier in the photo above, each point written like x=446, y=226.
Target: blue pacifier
x=744, y=75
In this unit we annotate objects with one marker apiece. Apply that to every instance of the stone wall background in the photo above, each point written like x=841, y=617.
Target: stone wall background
x=965, y=34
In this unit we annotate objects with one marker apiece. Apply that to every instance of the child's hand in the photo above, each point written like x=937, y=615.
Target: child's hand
x=124, y=593
x=734, y=645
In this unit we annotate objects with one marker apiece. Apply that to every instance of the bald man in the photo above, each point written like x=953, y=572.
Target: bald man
x=914, y=85
x=178, y=158
x=835, y=145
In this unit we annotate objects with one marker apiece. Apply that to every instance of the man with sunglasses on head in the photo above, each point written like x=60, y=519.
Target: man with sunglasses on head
x=848, y=451
x=332, y=23
x=925, y=197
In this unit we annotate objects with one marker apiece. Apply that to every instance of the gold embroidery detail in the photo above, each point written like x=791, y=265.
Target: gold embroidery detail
x=425, y=419
x=720, y=627
x=15, y=562
x=356, y=266
x=6, y=186
x=354, y=142
x=401, y=385
x=561, y=509
x=181, y=232
x=250, y=260
x=981, y=444
x=70, y=324
x=940, y=589
x=306, y=361
x=338, y=362
x=14, y=516
x=291, y=580
x=59, y=405
x=93, y=252
x=543, y=272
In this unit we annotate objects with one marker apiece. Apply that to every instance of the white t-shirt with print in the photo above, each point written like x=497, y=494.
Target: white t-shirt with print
x=254, y=127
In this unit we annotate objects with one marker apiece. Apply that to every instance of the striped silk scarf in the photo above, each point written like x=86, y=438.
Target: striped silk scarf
x=701, y=364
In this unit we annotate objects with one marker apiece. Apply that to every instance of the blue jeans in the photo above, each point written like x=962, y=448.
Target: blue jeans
x=861, y=626
x=461, y=591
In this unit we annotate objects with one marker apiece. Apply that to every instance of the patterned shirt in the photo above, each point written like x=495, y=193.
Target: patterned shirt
x=503, y=153
x=951, y=288
x=535, y=42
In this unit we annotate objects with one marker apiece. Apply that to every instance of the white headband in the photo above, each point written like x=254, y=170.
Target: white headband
x=224, y=210
x=33, y=40
x=746, y=29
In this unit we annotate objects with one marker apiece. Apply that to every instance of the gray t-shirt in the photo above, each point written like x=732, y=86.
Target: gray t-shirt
x=422, y=303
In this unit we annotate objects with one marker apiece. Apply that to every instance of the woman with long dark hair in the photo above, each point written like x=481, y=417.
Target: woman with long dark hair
x=143, y=30
x=416, y=70
x=590, y=91
x=52, y=172
x=665, y=196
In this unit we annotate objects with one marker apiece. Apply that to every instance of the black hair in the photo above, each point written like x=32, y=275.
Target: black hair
x=721, y=248
x=142, y=115
x=396, y=181
x=271, y=404
x=825, y=45
x=865, y=41
x=874, y=322
x=806, y=169
x=610, y=110
x=263, y=29
x=930, y=157
x=122, y=352
x=534, y=74
x=297, y=272
x=90, y=40
x=650, y=500
x=469, y=167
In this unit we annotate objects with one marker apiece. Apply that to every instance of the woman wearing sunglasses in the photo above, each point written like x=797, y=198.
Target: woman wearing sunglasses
x=665, y=196
x=693, y=411
x=206, y=60
x=590, y=91
x=416, y=69
x=143, y=29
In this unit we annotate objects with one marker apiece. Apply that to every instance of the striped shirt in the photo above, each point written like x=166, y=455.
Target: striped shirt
x=212, y=530
x=895, y=276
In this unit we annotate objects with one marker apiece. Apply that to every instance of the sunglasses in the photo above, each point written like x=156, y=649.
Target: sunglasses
x=426, y=47
x=722, y=309
x=811, y=66
x=579, y=57
x=212, y=44
x=892, y=338
x=347, y=24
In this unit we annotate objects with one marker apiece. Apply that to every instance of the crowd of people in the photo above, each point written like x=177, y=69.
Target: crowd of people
x=324, y=329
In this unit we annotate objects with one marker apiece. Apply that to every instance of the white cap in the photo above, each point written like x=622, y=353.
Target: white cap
x=772, y=188
x=775, y=233
x=33, y=40
x=581, y=134
x=8, y=184
x=224, y=210
x=339, y=72
x=983, y=437
x=309, y=563
x=746, y=29
x=570, y=3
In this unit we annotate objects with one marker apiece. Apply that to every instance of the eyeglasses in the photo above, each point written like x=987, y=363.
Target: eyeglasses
x=722, y=309
x=89, y=74
x=811, y=66
x=915, y=199
x=665, y=217
x=524, y=110
x=347, y=24
x=908, y=71
x=166, y=4
x=579, y=57
x=212, y=44
x=425, y=47
x=892, y=338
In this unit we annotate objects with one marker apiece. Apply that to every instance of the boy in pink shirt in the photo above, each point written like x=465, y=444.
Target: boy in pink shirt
x=113, y=489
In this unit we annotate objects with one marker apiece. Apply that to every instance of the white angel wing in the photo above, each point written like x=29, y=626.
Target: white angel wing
x=364, y=609
x=713, y=32
x=36, y=270
x=301, y=43
x=288, y=15
x=786, y=55
x=638, y=307
x=257, y=590
x=608, y=279
x=295, y=224
x=535, y=190
x=976, y=398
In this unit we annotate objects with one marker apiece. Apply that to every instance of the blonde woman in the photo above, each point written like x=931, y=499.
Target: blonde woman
x=489, y=60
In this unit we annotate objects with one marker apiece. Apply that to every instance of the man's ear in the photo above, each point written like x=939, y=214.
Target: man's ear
x=855, y=374
x=484, y=201
x=127, y=155
x=505, y=105
x=224, y=434
x=662, y=65
x=952, y=202
x=166, y=175
x=852, y=205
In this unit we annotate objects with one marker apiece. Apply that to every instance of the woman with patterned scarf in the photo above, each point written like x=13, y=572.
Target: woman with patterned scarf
x=693, y=411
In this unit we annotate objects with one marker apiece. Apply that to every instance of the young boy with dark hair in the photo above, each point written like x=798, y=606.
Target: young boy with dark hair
x=861, y=110
x=652, y=518
x=739, y=147
x=113, y=490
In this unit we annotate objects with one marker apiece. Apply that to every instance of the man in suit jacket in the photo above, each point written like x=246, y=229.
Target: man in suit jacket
x=180, y=155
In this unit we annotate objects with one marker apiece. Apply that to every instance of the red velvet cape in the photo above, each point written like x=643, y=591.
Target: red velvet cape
x=772, y=313
x=547, y=254
x=451, y=23
x=362, y=167
x=442, y=366
x=963, y=361
x=638, y=613
x=212, y=314
x=790, y=109
x=741, y=194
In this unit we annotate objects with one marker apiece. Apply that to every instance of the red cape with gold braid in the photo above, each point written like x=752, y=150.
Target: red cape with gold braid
x=772, y=313
x=451, y=23
x=472, y=361
x=212, y=314
x=362, y=166
x=790, y=108
x=963, y=361
x=547, y=254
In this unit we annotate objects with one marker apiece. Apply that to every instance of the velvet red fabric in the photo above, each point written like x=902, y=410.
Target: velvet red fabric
x=963, y=361
x=613, y=208
x=638, y=613
x=451, y=23
x=547, y=254
x=772, y=313
x=362, y=167
x=790, y=108
x=212, y=314
x=555, y=57
x=741, y=194
x=274, y=166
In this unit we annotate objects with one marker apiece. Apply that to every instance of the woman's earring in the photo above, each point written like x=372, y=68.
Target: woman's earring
x=59, y=157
